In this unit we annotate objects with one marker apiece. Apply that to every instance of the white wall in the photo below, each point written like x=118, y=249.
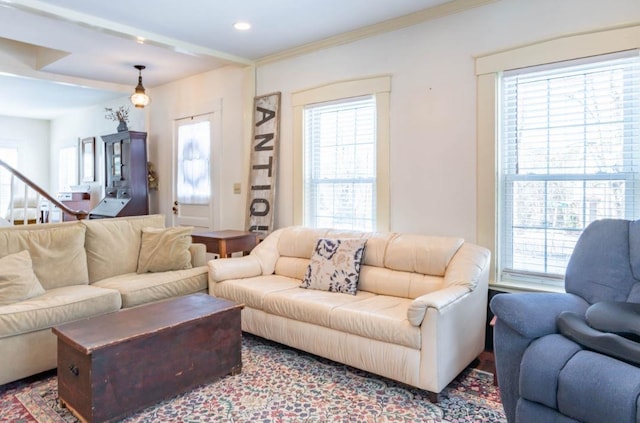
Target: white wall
x=433, y=99
x=68, y=130
x=31, y=137
x=222, y=92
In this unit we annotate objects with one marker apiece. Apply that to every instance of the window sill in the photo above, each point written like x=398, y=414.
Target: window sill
x=511, y=286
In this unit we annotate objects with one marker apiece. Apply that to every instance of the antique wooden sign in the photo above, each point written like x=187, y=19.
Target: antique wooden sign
x=263, y=168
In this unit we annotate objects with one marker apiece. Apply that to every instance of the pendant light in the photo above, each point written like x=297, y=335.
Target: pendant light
x=139, y=98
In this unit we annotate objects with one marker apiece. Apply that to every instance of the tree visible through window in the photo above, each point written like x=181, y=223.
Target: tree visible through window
x=569, y=154
x=340, y=164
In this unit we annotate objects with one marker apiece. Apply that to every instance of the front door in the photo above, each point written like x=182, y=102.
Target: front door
x=193, y=203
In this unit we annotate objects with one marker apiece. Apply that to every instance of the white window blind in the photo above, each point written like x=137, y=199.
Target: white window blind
x=340, y=164
x=569, y=154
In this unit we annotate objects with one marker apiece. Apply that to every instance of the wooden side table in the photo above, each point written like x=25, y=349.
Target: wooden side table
x=226, y=242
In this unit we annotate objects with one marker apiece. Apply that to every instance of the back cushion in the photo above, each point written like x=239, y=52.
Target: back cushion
x=634, y=248
x=298, y=241
x=429, y=255
x=113, y=245
x=57, y=251
x=382, y=281
x=600, y=268
x=376, y=248
x=292, y=267
x=394, y=264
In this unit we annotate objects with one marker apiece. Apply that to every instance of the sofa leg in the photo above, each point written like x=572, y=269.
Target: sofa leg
x=433, y=397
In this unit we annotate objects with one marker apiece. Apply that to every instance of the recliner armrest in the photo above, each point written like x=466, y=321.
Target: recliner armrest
x=534, y=314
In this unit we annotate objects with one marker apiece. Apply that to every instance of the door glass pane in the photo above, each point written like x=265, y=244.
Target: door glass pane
x=194, y=163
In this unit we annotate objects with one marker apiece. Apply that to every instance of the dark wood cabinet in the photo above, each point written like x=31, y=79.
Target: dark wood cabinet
x=126, y=190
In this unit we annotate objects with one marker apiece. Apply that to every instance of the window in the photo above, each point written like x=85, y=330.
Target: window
x=569, y=153
x=67, y=168
x=340, y=164
x=9, y=156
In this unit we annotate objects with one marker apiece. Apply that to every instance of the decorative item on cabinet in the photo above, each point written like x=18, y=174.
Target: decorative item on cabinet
x=126, y=190
x=121, y=115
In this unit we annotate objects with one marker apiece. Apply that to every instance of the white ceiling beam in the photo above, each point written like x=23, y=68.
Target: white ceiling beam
x=27, y=72
x=121, y=30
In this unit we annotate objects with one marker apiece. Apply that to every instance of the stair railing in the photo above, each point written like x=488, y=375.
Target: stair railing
x=43, y=218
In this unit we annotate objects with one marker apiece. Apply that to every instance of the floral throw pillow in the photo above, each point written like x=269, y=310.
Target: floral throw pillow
x=335, y=265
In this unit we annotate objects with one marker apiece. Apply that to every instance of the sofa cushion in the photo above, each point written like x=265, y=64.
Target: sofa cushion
x=335, y=265
x=378, y=317
x=252, y=291
x=17, y=280
x=164, y=249
x=137, y=289
x=554, y=351
x=380, y=280
x=611, y=395
x=56, y=306
x=113, y=245
x=312, y=306
x=377, y=242
x=298, y=241
x=57, y=251
x=292, y=267
x=429, y=255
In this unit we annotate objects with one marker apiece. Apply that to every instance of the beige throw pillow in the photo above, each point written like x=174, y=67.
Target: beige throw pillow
x=164, y=249
x=335, y=265
x=17, y=280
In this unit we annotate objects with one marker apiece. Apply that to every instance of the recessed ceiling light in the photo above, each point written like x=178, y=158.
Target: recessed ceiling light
x=242, y=26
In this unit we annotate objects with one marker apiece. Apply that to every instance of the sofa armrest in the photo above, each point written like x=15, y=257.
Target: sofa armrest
x=198, y=255
x=534, y=314
x=437, y=299
x=233, y=268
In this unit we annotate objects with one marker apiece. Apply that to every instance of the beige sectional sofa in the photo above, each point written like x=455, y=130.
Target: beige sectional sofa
x=86, y=268
x=418, y=315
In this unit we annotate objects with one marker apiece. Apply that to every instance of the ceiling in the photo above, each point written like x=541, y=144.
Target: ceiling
x=57, y=55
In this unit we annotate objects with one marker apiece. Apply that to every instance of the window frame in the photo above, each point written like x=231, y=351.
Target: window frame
x=510, y=177
x=380, y=88
x=488, y=69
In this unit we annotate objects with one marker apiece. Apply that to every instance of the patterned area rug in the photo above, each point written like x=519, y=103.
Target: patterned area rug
x=280, y=384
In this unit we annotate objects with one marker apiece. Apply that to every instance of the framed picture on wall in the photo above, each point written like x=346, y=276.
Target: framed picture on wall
x=88, y=159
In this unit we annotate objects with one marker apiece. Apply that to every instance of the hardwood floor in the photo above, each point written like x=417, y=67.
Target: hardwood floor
x=486, y=362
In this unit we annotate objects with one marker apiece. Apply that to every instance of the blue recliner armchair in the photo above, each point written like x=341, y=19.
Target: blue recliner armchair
x=546, y=377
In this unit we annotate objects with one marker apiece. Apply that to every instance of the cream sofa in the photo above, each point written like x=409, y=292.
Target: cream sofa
x=86, y=268
x=418, y=316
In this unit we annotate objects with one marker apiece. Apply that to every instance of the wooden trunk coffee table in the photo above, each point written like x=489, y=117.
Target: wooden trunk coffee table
x=112, y=365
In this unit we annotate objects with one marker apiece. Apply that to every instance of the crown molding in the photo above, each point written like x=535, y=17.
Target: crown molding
x=445, y=9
